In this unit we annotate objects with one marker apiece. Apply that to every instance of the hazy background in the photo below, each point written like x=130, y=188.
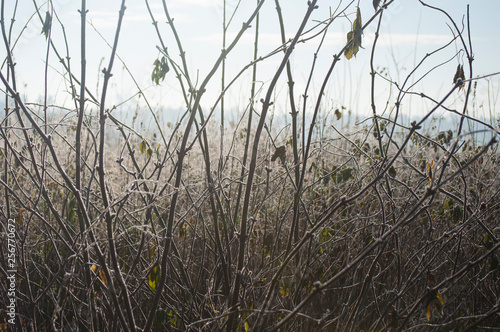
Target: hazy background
x=408, y=32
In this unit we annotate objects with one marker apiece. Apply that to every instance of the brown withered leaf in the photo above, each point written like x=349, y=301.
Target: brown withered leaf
x=459, y=78
x=102, y=274
x=429, y=170
x=20, y=215
x=393, y=320
x=279, y=152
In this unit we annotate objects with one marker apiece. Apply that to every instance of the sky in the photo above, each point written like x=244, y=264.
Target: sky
x=408, y=32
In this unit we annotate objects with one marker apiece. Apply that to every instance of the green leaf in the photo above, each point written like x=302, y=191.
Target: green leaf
x=449, y=204
x=347, y=174
x=153, y=277
x=325, y=235
x=160, y=70
x=160, y=318
x=157, y=152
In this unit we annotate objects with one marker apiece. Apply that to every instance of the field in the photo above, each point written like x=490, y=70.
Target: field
x=249, y=218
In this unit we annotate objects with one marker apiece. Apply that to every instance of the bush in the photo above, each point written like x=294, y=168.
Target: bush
x=307, y=221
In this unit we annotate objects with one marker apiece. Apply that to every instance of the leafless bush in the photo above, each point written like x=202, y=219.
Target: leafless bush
x=257, y=225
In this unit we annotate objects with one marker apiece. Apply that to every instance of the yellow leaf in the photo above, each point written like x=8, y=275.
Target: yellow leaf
x=429, y=170
x=143, y=146
x=152, y=253
x=351, y=50
x=354, y=37
x=93, y=267
x=284, y=292
x=428, y=313
x=103, y=277
x=153, y=277
x=247, y=327
x=440, y=298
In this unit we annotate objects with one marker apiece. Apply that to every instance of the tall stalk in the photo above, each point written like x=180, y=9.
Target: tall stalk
x=249, y=121
x=6, y=120
x=108, y=215
x=294, y=231
x=78, y=154
x=253, y=163
x=223, y=67
x=182, y=154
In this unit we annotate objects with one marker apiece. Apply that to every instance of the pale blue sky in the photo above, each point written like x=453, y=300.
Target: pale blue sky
x=408, y=32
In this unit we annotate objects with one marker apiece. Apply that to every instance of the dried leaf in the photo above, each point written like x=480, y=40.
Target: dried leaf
x=375, y=4
x=392, y=171
x=102, y=274
x=338, y=114
x=47, y=24
x=313, y=166
x=459, y=78
x=19, y=218
x=429, y=170
x=354, y=37
x=280, y=152
x=430, y=278
x=428, y=312
x=393, y=320
x=143, y=146
x=433, y=300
